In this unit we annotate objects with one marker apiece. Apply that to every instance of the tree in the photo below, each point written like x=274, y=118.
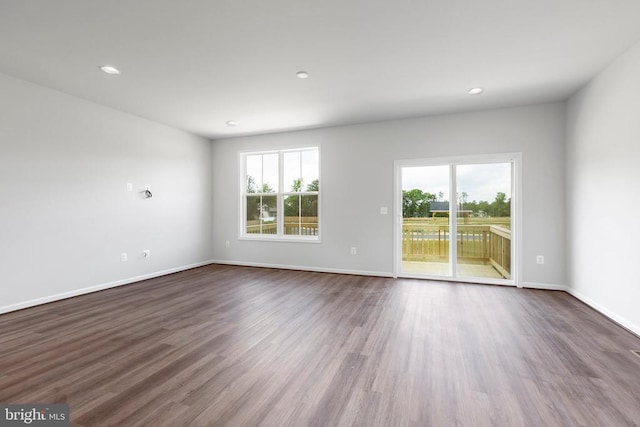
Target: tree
x=472, y=206
x=463, y=199
x=309, y=204
x=251, y=184
x=292, y=205
x=302, y=205
x=416, y=203
x=252, y=187
x=314, y=186
x=484, y=208
x=501, y=206
x=297, y=185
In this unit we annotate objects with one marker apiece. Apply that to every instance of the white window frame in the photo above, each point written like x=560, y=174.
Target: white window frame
x=280, y=196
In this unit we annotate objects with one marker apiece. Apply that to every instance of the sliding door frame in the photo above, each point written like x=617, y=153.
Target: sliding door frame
x=516, y=214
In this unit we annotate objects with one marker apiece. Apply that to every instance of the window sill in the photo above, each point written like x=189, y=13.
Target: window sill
x=290, y=239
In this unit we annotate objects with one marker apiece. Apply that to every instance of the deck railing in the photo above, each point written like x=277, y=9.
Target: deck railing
x=489, y=244
x=304, y=226
x=481, y=244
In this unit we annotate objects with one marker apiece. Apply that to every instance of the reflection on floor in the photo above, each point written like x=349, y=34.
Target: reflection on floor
x=442, y=269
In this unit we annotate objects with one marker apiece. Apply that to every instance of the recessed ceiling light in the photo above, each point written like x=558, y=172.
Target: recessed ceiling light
x=232, y=123
x=302, y=74
x=109, y=69
x=475, y=91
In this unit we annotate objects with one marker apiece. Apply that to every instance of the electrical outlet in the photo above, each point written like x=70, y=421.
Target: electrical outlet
x=129, y=186
x=227, y=244
x=353, y=251
x=540, y=259
x=146, y=253
x=123, y=256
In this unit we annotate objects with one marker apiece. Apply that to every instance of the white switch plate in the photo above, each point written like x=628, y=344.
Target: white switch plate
x=353, y=251
x=384, y=210
x=129, y=186
x=227, y=244
x=540, y=259
x=123, y=256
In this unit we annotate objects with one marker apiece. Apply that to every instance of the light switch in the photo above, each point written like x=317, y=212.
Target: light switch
x=384, y=210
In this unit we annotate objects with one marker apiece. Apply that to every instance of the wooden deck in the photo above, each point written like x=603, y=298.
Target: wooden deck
x=427, y=240
x=442, y=269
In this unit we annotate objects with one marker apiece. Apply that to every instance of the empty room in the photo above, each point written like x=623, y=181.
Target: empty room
x=293, y=213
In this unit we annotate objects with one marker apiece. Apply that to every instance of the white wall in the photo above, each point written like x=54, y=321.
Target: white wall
x=65, y=214
x=357, y=179
x=603, y=191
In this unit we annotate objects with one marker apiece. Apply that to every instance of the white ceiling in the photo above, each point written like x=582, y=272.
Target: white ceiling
x=194, y=64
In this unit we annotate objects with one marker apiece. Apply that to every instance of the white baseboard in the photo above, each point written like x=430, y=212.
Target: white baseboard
x=631, y=327
x=77, y=292
x=545, y=286
x=532, y=285
x=304, y=268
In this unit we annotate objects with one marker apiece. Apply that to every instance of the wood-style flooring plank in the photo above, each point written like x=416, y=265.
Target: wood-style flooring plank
x=240, y=346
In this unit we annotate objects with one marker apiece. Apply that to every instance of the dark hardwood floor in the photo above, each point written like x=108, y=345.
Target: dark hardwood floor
x=240, y=346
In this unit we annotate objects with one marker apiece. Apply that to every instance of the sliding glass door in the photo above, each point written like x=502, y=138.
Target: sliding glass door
x=484, y=195
x=456, y=219
x=425, y=220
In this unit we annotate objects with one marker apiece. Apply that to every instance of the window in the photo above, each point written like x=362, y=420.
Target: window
x=280, y=194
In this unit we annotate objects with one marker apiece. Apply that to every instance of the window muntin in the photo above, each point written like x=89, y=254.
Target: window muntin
x=262, y=211
x=280, y=194
x=262, y=173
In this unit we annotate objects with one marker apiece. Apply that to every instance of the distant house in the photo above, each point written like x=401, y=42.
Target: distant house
x=267, y=213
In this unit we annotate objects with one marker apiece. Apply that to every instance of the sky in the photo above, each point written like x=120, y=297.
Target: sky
x=297, y=164
x=480, y=182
